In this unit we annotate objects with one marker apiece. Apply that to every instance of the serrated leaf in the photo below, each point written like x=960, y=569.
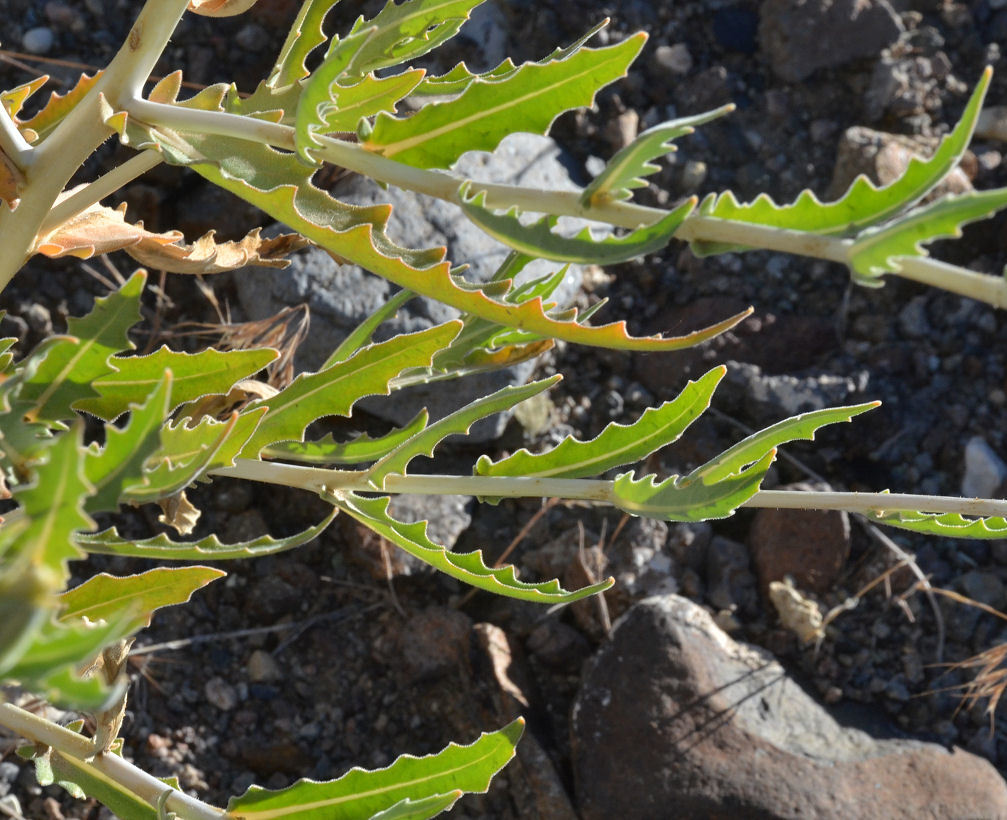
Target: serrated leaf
x=425, y=442
x=949, y=525
x=368, y=97
x=617, y=444
x=409, y=30
x=458, y=79
x=119, y=463
x=361, y=794
x=305, y=36
x=13, y=100
x=877, y=251
x=358, y=450
x=419, y=809
x=67, y=373
x=53, y=503
x=528, y=99
x=629, y=167
x=193, y=375
x=162, y=548
x=468, y=567
x=679, y=498
x=187, y=453
x=362, y=334
x=279, y=184
x=803, y=426
x=58, y=106
x=98, y=230
x=136, y=597
x=334, y=391
x=864, y=204
x=207, y=256
x=539, y=239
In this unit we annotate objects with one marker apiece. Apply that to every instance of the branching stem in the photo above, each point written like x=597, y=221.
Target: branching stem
x=108, y=766
x=12, y=144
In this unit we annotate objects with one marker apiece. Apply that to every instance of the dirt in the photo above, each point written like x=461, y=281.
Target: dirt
x=358, y=668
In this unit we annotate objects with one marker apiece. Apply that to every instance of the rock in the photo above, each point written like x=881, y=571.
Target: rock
x=676, y=58
x=447, y=516
x=883, y=158
x=792, y=33
x=221, y=694
x=674, y=713
x=811, y=546
x=735, y=28
x=913, y=318
x=434, y=642
x=38, y=40
x=558, y=646
x=730, y=583
x=263, y=668
x=340, y=296
x=985, y=471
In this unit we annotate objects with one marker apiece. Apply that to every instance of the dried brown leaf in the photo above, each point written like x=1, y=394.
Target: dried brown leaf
x=179, y=512
x=99, y=230
x=206, y=255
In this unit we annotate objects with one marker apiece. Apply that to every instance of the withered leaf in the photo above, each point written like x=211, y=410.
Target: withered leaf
x=220, y=8
x=179, y=512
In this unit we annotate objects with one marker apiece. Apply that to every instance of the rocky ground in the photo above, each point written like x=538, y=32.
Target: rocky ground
x=331, y=656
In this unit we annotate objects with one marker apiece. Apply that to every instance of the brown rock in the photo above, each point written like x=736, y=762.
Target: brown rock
x=434, y=642
x=801, y=36
x=674, y=718
x=811, y=546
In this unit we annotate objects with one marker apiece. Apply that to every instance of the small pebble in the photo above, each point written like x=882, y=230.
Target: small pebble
x=221, y=694
x=676, y=58
x=38, y=40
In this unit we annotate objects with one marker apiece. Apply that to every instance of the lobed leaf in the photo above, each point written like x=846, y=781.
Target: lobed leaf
x=58, y=106
x=627, y=169
x=864, y=204
x=754, y=447
x=363, y=333
x=539, y=239
x=468, y=567
x=359, y=450
x=950, y=525
x=361, y=794
x=458, y=422
x=617, y=444
x=67, y=373
x=162, y=548
x=369, y=96
x=527, y=99
x=194, y=375
x=680, y=498
x=877, y=251
x=305, y=35
x=134, y=598
x=13, y=99
x=334, y=391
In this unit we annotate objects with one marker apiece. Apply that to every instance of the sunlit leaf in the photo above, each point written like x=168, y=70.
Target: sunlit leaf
x=948, y=525
x=58, y=106
x=305, y=36
x=356, y=451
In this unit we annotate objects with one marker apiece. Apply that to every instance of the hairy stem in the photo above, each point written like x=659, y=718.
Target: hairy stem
x=325, y=481
x=107, y=765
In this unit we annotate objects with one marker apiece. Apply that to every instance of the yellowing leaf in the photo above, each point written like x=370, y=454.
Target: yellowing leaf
x=220, y=8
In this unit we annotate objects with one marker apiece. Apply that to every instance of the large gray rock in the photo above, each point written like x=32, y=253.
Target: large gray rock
x=340, y=296
x=801, y=36
x=675, y=719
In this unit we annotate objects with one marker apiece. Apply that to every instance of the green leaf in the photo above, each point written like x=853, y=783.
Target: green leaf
x=334, y=391
x=58, y=647
x=53, y=503
x=361, y=794
x=409, y=30
x=627, y=169
x=193, y=375
x=366, y=98
x=539, y=239
x=108, y=791
x=363, y=333
x=162, y=548
x=67, y=373
x=67, y=689
x=753, y=447
x=186, y=453
x=685, y=499
x=863, y=204
x=950, y=525
x=119, y=464
x=877, y=251
x=305, y=35
x=458, y=79
x=136, y=597
x=458, y=422
x=617, y=444
x=468, y=567
x=357, y=451
x=419, y=809
x=528, y=99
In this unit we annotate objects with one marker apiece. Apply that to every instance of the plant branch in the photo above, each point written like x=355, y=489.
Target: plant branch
x=92, y=193
x=324, y=481
x=107, y=765
x=16, y=148
x=984, y=287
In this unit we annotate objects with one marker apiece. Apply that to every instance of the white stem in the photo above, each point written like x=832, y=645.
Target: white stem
x=94, y=192
x=764, y=237
x=321, y=480
x=12, y=144
x=981, y=286
x=110, y=766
